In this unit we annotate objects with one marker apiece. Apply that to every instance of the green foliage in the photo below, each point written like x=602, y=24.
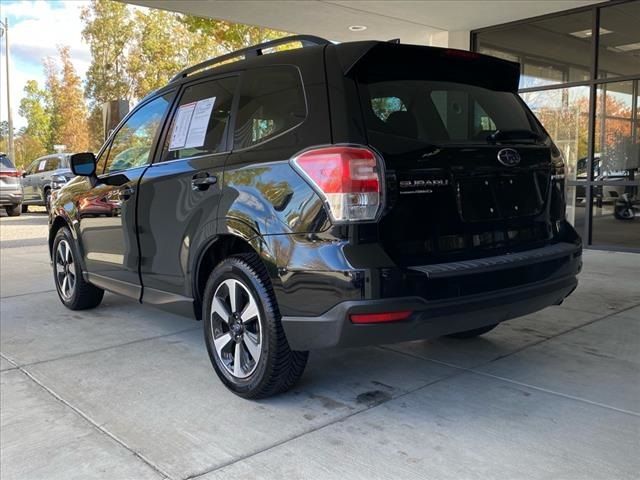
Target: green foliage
x=34, y=108
x=136, y=52
x=133, y=52
x=213, y=37
x=161, y=48
x=66, y=104
x=109, y=32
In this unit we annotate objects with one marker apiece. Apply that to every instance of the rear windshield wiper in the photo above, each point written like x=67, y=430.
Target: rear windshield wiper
x=499, y=135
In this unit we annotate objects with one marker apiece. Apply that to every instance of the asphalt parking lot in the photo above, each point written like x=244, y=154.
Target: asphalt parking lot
x=127, y=392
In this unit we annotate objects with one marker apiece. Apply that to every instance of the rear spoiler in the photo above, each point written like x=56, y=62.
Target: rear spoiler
x=371, y=61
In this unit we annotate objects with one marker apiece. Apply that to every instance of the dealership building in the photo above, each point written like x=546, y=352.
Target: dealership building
x=580, y=74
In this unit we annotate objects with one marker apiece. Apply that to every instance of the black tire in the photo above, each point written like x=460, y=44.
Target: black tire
x=14, y=210
x=626, y=214
x=83, y=295
x=278, y=367
x=25, y=208
x=476, y=332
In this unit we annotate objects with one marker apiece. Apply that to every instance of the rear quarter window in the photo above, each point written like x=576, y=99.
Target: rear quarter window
x=271, y=102
x=5, y=162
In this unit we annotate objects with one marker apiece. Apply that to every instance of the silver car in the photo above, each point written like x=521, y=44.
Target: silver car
x=44, y=175
x=10, y=187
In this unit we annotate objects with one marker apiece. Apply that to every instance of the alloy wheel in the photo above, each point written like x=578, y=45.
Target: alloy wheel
x=65, y=269
x=236, y=328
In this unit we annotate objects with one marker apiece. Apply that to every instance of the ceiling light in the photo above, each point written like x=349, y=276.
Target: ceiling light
x=628, y=47
x=587, y=33
x=357, y=28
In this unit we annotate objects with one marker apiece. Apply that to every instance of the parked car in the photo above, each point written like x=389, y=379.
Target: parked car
x=44, y=175
x=330, y=195
x=10, y=187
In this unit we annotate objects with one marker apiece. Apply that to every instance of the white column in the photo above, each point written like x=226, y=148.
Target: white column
x=460, y=39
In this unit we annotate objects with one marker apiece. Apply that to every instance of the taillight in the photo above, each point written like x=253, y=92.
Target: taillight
x=10, y=173
x=348, y=178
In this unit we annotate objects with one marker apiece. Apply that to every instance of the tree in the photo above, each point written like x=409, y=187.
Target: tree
x=109, y=32
x=52, y=87
x=135, y=52
x=213, y=37
x=73, y=131
x=27, y=148
x=67, y=106
x=33, y=107
x=96, y=129
x=160, y=50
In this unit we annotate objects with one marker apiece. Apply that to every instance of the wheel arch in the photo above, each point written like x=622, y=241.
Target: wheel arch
x=44, y=191
x=229, y=242
x=60, y=222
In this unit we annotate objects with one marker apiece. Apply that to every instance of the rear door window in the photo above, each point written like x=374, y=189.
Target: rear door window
x=200, y=124
x=271, y=102
x=52, y=164
x=41, y=166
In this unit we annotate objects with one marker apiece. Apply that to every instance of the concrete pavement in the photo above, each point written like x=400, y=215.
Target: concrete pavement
x=127, y=392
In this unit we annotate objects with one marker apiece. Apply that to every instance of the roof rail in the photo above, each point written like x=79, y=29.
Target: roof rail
x=253, y=51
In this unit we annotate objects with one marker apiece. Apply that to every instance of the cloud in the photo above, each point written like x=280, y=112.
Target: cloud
x=37, y=29
x=43, y=27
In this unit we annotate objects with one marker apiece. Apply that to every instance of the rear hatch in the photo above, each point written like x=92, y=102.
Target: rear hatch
x=468, y=167
x=9, y=176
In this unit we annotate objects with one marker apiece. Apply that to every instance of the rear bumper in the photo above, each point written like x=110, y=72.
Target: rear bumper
x=434, y=318
x=10, y=197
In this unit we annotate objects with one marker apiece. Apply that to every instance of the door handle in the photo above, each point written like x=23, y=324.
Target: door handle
x=202, y=181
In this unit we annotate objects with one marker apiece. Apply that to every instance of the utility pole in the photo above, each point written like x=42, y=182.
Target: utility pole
x=5, y=31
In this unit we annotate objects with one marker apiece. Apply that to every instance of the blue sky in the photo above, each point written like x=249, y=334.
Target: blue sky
x=36, y=28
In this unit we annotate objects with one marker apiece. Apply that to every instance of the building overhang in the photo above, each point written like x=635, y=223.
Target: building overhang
x=413, y=21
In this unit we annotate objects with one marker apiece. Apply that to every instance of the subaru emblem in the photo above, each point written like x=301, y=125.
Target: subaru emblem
x=509, y=157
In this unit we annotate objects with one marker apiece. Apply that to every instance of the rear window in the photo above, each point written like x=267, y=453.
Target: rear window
x=5, y=162
x=434, y=112
x=271, y=102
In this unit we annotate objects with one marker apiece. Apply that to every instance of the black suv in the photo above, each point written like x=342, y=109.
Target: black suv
x=329, y=195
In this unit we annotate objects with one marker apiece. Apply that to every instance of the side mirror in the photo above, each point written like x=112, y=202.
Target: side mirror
x=24, y=173
x=83, y=164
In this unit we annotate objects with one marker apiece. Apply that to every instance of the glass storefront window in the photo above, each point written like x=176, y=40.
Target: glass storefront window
x=557, y=50
x=617, y=147
x=543, y=48
x=617, y=165
x=619, y=42
x=575, y=196
x=564, y=113
x=612, y=216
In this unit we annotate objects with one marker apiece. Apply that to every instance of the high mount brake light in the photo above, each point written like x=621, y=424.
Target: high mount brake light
x=348, y=178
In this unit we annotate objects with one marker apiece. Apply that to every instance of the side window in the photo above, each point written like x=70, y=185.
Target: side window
x=41, y=166
x=271, y=102
x=201, y=122
x=131, y=146
x=385, y=106
x=52, y=164
x=32, y=168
